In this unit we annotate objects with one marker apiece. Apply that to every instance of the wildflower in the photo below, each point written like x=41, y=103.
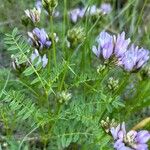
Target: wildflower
x=75, y=14
x=40, y=60
x=39, y=38
x=131, y=59
x=134, y=58
x=105, y=8
x=132, y=140
x=33, y=14
x=121, y=44
x=105, y=45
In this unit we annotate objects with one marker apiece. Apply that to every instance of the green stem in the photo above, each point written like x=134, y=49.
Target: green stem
x=64, y=26
x=53, y=41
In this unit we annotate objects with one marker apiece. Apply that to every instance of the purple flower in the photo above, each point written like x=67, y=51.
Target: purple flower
x=75, y=14
x=39, y=38
x=106, y=8
x=132, y=140
x=134, y=58
x=121, y=44
x=105, y=45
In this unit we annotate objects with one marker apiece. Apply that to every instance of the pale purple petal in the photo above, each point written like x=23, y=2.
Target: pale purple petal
x=114, y=131
x=141, y=147
x=143, y=136
x=119, y=144
x=121, y=44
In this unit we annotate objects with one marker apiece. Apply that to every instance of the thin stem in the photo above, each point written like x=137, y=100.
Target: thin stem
x=64, y=26
x=53, y=41
x=26, y=137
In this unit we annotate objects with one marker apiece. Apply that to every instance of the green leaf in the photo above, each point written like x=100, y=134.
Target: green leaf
x=29, y=71
x=35, y=81
x=15, y=31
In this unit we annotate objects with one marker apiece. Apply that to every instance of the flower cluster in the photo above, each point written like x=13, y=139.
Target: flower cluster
x=39, y=38
x=131, y=140
x=78, y=13
x=130, y=58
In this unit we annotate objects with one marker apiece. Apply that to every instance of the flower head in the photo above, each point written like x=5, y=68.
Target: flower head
x=131, y=140
x=33, y=14
x=39, y=38
x=106, y=8
x=134, y=58
x=105, y=45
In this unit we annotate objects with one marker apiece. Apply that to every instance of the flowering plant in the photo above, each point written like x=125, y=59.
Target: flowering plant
x=71, y=71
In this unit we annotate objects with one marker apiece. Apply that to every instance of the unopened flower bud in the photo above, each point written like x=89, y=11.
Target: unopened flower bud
x=64, y=97
x=33, y=15
x=50, y=5
x=100, y=68
x=56, y=38
x=112, y=83
x=76, y=36
x=108, y=124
